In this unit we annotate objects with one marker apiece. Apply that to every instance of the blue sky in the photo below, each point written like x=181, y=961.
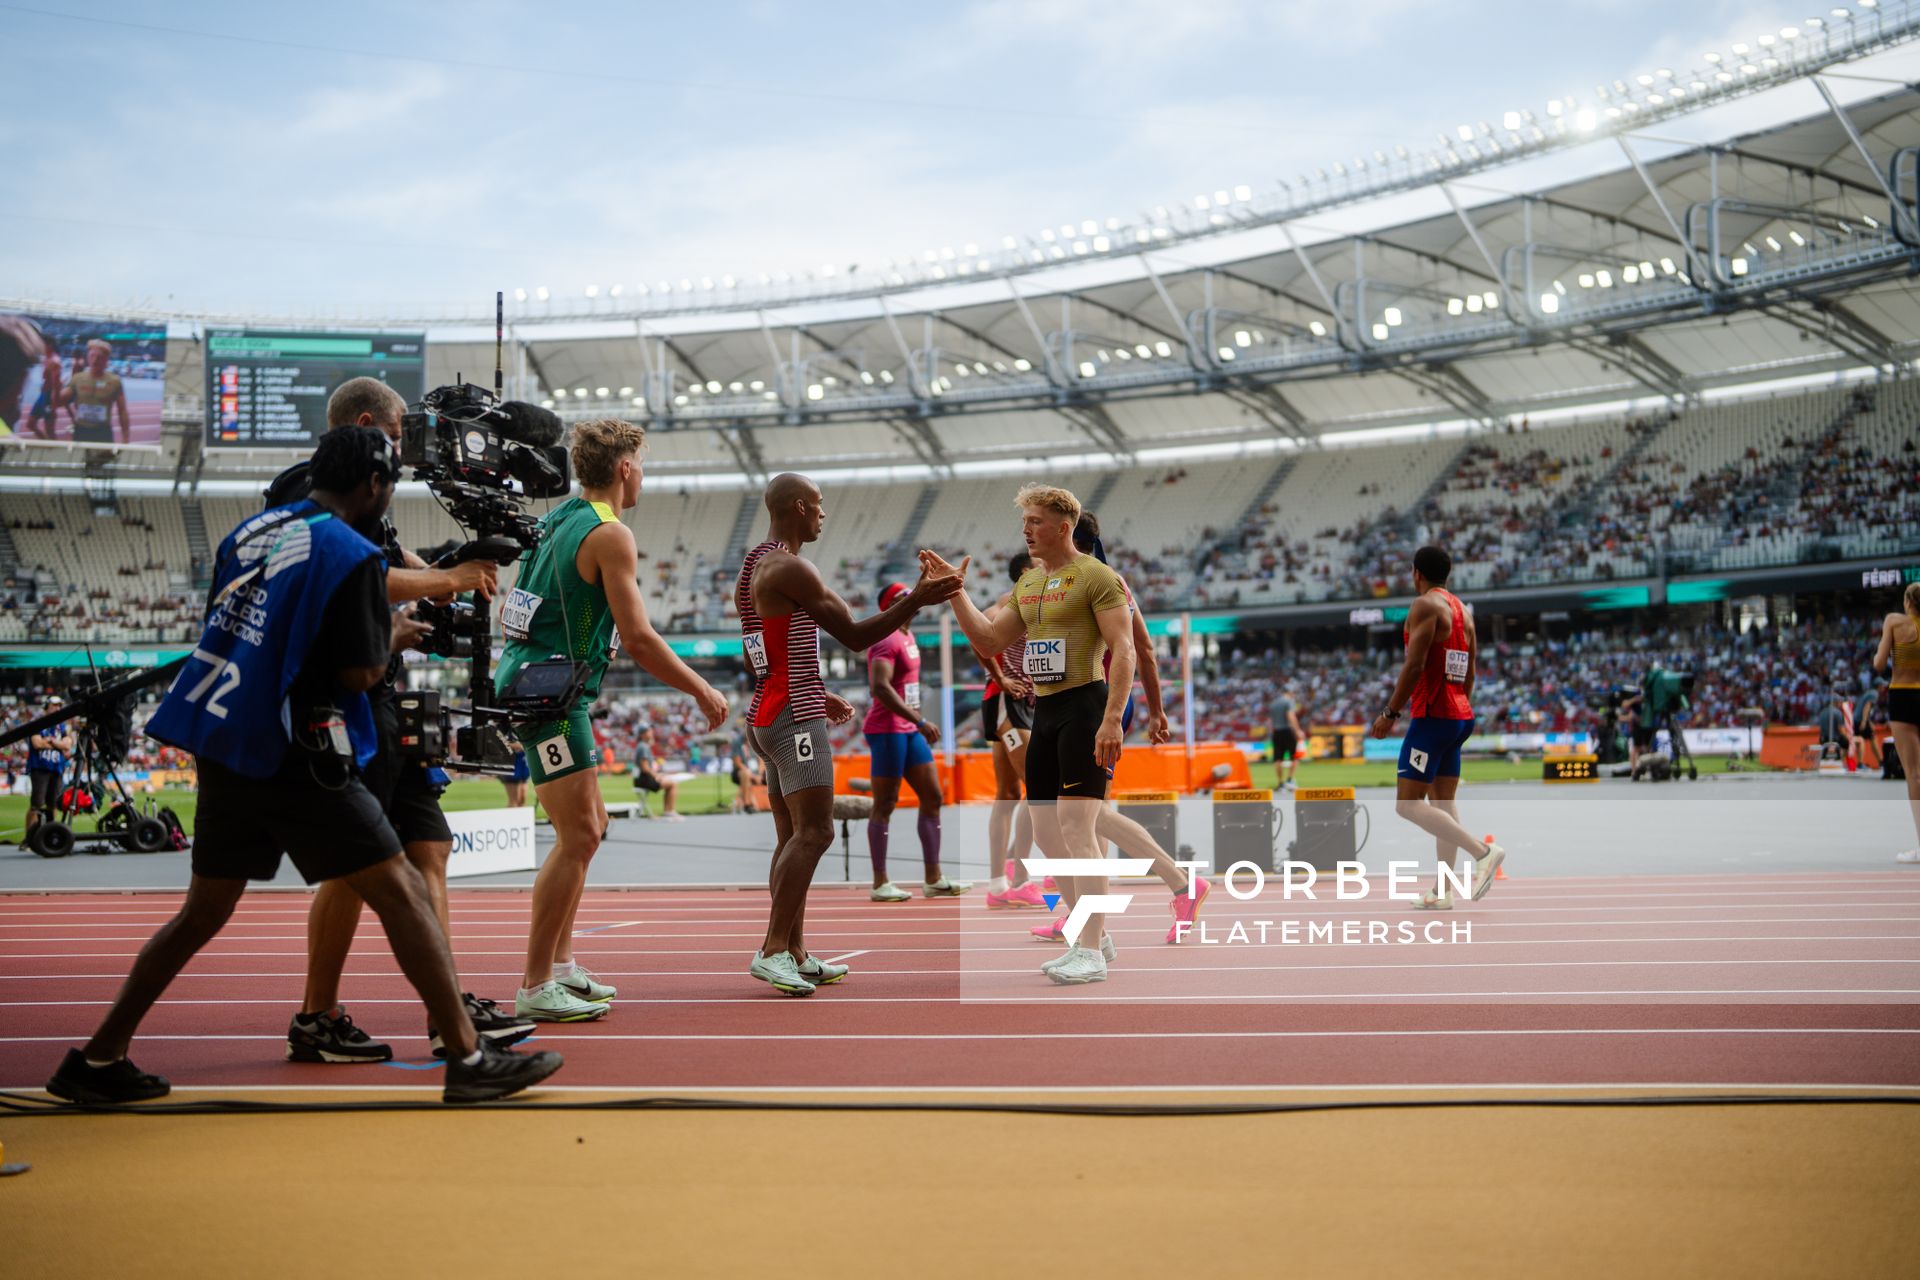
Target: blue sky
x=358, y=156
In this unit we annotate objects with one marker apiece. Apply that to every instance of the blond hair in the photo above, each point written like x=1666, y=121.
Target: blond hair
x=599, y=445
x=1050, y=498
x=1911, y=598
x=369, y=396
x=101, y=343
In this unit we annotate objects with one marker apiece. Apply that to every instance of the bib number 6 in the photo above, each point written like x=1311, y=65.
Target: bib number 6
x=803, y=747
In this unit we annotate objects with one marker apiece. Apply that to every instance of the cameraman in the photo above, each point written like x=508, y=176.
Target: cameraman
x=46, y=764
x=576, y=596
x=321, y=1031
x=272, y=704
x=1639, y=726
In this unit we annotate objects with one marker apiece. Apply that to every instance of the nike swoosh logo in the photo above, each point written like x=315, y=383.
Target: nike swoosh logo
x=1068, y=786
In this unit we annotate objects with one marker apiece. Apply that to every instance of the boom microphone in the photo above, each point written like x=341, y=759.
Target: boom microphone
x=528, y=423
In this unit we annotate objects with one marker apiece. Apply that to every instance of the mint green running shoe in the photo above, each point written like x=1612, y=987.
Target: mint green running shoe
x=582, y=983
x=819, y=972
x=551, y=1002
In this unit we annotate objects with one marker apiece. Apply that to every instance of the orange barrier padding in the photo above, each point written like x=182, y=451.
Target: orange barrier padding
x=1790, y=746
x=1142, y=768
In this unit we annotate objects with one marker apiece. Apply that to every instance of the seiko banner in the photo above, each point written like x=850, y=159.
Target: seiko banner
x=486, y=841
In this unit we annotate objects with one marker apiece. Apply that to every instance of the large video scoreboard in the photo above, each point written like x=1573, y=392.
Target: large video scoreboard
x=270, y=387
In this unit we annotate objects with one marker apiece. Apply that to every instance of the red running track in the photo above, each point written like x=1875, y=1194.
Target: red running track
x=1699, y=980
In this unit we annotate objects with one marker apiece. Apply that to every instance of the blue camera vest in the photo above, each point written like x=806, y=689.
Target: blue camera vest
x=273, y=578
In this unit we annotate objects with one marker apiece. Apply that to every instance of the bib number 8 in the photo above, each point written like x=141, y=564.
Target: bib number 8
x=555, y=753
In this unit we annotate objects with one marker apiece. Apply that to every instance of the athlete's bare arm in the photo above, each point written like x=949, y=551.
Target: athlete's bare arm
x=789, y=584
x=1148, y=664
x=1116, y=631
x=1011, y=681
x=880, y=684
x=614, y=563
x=420, y=581
x=993, y=634
x=126, y=423
x=1885, y=652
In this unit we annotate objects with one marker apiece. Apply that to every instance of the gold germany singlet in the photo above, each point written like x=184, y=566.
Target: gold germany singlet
x=1064, y=647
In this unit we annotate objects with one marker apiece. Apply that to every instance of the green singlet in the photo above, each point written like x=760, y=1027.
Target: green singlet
x=537, y=626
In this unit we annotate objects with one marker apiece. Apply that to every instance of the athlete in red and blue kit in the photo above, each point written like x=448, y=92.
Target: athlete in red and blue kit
x=1436, y=687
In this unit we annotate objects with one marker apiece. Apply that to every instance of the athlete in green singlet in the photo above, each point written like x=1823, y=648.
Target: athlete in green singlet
x=575, y=595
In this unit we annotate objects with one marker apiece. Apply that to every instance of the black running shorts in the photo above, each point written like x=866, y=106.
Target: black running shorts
x=1060, y=755
x=401, y=788
x=1903, y=705
x=244, y=825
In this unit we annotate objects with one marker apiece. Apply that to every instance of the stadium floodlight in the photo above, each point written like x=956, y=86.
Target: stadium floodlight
x=1742, y=49
x=815, y=391
x=615, y=291
x=580, y=393
x=1101, y=244
x=1666, y=265
x=713, y=388
x=886, y=376
x=1766, y=41
x=1585, y=121
x=1391, y=315
x=697, y=388
x=1104, y=357
x=1773, y=244
x=1144, y=351
x=1799, y=241
x=541, y=293
x=640, y=402
x=680, y=401
x=1317, y=329
x=1122, y=354
x=1603, y=278
x=735, y=387
x=1646, y=271
x=519, y=295
x=770, y=395
x=1644, y=80
x=1380, y=333
x=866, y=378
x=1549, y=302
x=756, y=385
x=628, y=391
x=1739, y=266
x=593, y=291
x=1243, y=192
x=1475, y=304
x=1510, y=121
x=1493, y=300
x=1455, y=306
x=1087, y=369
x=1241, y=338
x=1162, y=349
x=979, y=367
x=1226, y=353
x=1712, y=58
x=1466, y=132
x=560, y=392
x=1023, y=364
x=961, y=369
x=546, y=404
x=1790, y=33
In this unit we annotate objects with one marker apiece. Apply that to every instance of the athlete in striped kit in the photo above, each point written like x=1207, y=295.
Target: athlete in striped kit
x=784, y=605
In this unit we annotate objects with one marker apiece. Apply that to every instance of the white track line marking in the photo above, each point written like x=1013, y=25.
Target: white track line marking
x=585, y=1037
x=1496, y=1088
x=848, y=956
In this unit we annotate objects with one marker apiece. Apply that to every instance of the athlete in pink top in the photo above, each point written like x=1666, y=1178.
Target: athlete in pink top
x=1436, y=684
x=901, y=742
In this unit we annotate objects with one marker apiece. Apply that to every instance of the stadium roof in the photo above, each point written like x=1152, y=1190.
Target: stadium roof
x=1632, y=265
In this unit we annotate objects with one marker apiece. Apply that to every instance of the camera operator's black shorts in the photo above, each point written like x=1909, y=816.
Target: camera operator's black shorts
x=44, y=785
x=1285, y=743
x=646, y=780
x=244, y=825
x=1060, y=755
x=1643, y=735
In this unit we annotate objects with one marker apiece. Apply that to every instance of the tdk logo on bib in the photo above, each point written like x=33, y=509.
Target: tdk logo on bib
x=1047, y=660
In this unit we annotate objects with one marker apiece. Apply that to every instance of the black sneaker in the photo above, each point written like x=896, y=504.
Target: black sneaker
x=121, y=1081
x=332, y=1037
x=501, y=1029
x=500, y=1073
